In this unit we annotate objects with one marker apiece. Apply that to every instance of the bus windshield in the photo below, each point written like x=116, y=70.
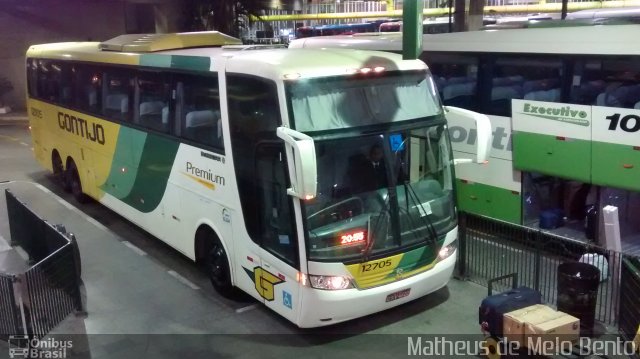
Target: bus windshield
x=347, y=102
x=380, y=193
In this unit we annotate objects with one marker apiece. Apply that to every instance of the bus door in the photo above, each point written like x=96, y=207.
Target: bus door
x=279, y=243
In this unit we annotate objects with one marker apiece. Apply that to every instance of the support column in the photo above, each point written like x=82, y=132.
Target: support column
x=459, y=16
x=476, y=15
x=412, y=29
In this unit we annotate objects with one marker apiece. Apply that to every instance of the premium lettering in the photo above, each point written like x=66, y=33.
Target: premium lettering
x=204, y=174
x=81, y=127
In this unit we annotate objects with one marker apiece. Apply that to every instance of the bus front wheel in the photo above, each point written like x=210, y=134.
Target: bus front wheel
x=218, y=269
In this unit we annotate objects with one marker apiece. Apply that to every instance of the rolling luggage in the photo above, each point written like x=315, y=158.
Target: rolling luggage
x=494, y=306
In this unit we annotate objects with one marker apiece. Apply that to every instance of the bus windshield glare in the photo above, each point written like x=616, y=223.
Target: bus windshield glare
x=347, y=102
x=385, y=190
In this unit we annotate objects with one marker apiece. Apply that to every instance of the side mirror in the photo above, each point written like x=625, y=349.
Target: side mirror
x=304, y=173
x=484, y=132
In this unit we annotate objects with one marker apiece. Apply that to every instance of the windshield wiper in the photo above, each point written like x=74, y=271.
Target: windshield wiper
x=424, y=215
x=381, y=218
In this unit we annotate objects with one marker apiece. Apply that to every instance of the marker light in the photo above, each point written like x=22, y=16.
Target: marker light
x=446, y=251
x=309, y=196
x=378, y=69
x=293, y=76
x=330, y=282
x=365, y=70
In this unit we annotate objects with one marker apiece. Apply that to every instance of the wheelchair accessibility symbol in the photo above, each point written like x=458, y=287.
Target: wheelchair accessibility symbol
x=287, y=300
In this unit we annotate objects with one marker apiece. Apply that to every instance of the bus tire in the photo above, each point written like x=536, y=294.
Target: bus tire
x=74, y=182
x=218, y=270
x=58, y=171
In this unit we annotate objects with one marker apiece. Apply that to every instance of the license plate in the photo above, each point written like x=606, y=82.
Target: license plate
x=397, y=295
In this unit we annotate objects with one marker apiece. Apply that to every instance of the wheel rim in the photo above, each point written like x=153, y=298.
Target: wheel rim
x=218, y=267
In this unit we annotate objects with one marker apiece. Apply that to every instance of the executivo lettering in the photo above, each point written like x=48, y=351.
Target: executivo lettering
x=563, y=114
x=204, y=174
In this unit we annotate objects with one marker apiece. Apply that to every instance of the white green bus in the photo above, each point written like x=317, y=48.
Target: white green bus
x=583, y=151
x=259, y=163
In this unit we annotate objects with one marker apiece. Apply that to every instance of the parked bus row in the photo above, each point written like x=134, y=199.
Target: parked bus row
x=564, y=103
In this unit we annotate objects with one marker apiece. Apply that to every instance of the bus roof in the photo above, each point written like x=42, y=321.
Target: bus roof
x=600, y=40
x=269, y=62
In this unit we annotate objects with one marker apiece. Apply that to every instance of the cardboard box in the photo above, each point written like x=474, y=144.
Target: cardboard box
x=559, y=331
x=514, y=322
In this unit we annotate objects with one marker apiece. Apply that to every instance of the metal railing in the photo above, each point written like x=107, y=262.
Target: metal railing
x=490, y=248
x=9, y=323
x=33, y=302
x=629, y=323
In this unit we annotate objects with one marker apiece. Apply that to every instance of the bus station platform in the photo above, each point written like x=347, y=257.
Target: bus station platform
x=137, y=289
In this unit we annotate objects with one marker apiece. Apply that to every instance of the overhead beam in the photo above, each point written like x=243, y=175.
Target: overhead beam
x=488, y=10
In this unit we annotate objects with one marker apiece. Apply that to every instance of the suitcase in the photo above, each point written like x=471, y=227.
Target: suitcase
x=493, y=307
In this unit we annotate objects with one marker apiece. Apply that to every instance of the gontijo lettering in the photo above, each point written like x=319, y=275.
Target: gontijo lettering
x=81, y=127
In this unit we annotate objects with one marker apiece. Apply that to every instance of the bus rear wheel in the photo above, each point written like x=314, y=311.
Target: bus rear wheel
x=218, y=269
x=58, y=172
x=74, y=182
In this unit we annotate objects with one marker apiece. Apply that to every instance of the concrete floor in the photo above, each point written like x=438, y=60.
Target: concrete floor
x=138, y=307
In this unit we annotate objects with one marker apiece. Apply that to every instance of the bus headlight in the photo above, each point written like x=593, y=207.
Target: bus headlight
x=446, y=251
x=330, y=282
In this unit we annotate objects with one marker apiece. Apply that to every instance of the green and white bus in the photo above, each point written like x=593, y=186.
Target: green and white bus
x=564, y=104
x=259, y=162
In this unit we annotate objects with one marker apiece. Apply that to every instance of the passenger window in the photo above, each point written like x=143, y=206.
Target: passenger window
x=456, y=77
x=88, y=88
x=118, y=94
x=529, y=78
x=49, y=80
x=154, y=93
x=32, y=77
x=200, y=118
x=613, y=82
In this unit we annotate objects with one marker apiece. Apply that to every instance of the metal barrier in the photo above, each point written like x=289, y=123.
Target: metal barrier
x=35, y=301
x=490, y=248
x=629, y=323
x=8, y=315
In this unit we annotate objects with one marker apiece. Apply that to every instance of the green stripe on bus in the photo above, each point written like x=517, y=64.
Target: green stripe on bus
x=197, y=63
x=559, y=157
x=155, y=60
x=489, y=201
x=153, y=174
x=616, y=165
x=415, y=259
x=126, y=158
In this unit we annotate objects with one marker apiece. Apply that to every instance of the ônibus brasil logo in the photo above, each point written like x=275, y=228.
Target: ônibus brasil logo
x=22, y=346
x=563, y=114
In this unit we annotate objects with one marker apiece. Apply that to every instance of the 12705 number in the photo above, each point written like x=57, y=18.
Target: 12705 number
x=367, y=267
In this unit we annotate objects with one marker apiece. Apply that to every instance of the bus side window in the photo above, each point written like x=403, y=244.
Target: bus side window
x=88, y=88
x=152, y=101
x=49, y=81
x=613, y=82
x=118, y=94
x=32, y=77
x=200, y=119
x=531, y=78
x=456, y=77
